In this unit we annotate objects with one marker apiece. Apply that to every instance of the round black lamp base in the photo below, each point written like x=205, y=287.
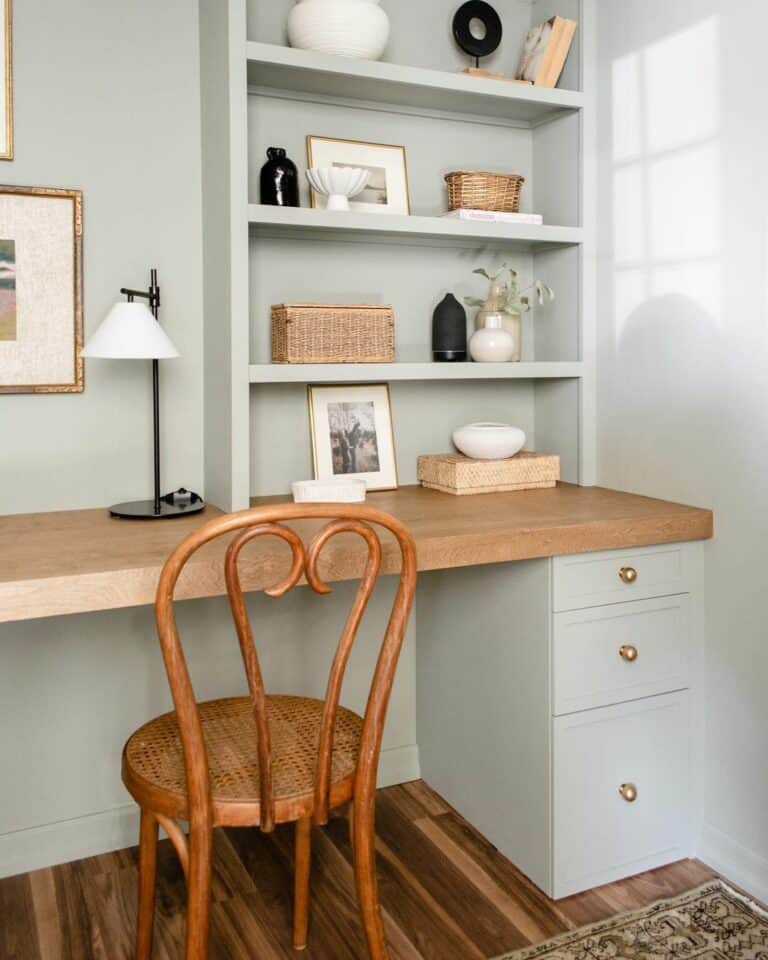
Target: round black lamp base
x=145, y=510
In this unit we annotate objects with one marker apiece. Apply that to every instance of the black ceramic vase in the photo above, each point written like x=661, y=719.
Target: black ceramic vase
x=449, y=331
x=279, y=180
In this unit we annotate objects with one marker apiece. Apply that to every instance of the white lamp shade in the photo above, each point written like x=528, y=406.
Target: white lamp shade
x=130, y=332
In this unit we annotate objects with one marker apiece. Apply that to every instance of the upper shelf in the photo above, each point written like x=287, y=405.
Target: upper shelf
x=288, y=221
x=371, y=372
x=410, y=88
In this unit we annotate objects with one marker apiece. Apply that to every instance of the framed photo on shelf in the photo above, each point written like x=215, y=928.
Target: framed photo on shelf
x=6, y=77
x=352, y=434
x=41, y=290
x=387, y=188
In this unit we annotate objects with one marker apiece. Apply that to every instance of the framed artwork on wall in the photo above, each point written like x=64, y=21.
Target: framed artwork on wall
x=41, y=290
x=387, y=187
x=6, y=75
x=352, y=434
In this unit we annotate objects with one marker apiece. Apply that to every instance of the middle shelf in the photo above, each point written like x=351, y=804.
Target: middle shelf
x=295, y=221
x=370, y=372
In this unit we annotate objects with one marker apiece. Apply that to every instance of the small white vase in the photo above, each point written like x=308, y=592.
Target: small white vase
x=492, y=344
x=489, y=441
x=348, y=28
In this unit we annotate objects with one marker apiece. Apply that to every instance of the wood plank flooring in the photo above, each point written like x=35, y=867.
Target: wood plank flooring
x=447, y=894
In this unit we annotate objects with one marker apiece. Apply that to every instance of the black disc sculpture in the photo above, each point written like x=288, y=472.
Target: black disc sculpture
x=490, y=39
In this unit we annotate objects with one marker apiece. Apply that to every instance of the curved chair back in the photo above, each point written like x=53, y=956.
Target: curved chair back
x=270, y=521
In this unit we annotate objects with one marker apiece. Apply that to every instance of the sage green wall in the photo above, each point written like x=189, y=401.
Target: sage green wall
x=107, y=101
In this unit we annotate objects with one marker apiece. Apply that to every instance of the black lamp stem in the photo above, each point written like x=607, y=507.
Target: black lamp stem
x=154, y=303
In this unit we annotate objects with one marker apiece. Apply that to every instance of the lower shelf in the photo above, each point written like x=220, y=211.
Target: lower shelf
x=367, y=372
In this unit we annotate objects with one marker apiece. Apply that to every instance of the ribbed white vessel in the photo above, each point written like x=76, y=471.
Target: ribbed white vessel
x=349, y=28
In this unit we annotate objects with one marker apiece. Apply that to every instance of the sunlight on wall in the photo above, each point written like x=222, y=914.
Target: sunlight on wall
x=666, y=182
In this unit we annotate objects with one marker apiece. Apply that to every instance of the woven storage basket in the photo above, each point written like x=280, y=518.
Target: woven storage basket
x=332, y=333
x=499, y=192
x=460, y=475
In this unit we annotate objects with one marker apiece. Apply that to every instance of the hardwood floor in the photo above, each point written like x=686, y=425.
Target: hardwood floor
x=446, y=893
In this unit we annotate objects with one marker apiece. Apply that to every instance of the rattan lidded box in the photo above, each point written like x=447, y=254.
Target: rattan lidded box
x=454, y=473
x=332, y=333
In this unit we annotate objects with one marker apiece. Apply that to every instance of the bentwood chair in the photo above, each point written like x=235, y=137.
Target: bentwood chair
x=266, y=759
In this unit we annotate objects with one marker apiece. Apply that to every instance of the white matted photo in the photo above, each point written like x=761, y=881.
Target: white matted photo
x=352, y=434
x=387, y=188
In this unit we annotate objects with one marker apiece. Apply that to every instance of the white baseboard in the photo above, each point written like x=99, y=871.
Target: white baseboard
x=115, y=829
x=737, y=863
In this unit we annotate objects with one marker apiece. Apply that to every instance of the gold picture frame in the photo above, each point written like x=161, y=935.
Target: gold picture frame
x=370, y=405
x=387, y=160
x=6, y=149
x=52, y=292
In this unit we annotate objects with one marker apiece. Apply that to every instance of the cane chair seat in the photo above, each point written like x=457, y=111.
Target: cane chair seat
x=153, y=760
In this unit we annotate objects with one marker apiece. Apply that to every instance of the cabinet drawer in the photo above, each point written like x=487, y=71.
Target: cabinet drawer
x=592, y=579
x=621, y=652
x=598, y=835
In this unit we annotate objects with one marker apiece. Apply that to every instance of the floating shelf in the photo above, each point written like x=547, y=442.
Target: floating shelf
x=386, y=227
x=369, y=372
x=412, y=89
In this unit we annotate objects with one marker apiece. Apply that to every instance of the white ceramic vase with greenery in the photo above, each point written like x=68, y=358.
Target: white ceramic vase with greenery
x=506, y=303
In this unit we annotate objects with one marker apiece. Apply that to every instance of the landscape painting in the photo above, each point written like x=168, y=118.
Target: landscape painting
x=7, y=289
x=353, y=438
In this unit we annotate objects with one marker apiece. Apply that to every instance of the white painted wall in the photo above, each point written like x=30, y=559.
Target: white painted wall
x=107, y=101
x=683, y=344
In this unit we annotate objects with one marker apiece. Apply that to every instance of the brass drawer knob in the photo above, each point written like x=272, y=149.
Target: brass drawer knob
x=628, y=653
x=628, y=574
x=628, y=792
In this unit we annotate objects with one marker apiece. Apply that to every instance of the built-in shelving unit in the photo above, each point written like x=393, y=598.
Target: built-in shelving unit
x=257, y=92
x=288, y=221
x=392, y=86
x=373, y=372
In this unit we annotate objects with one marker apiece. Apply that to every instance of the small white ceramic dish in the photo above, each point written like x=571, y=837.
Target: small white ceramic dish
x=338, y=184
x=342, y=490
x=489, y=441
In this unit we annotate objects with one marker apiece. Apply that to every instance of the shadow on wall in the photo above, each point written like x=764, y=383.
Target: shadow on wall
x=665, y=415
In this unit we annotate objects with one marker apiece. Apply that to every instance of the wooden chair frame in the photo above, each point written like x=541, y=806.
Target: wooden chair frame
x=195, y=850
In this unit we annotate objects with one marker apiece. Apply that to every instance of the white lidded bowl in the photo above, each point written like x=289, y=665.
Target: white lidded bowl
x=348, y=28
x=489, y=441
x=338, y=184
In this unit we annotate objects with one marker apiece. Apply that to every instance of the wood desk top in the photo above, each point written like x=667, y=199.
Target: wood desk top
x=83, y=560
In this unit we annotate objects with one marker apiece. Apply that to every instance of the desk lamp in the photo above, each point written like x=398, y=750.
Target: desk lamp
x=131, y=331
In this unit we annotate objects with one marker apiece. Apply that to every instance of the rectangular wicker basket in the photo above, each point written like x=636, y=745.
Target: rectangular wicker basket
x=332, y=333
x=460, y=475
x=474, y=190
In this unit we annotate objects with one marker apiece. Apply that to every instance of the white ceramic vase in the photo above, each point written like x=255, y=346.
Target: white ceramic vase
x=492, y=343
x=489, y=441
x=349, y=28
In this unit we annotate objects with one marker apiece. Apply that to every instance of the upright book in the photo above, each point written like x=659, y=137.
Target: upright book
x=545, y=52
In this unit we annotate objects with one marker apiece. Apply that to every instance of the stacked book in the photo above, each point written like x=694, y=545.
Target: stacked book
x=493, y=216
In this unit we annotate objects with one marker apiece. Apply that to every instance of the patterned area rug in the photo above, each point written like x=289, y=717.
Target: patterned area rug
x=712, y=922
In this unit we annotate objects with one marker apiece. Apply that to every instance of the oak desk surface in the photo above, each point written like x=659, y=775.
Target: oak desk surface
x=83, y=560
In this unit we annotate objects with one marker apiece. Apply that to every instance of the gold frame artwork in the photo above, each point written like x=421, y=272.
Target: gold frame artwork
x=313, y=389
x=8, y=11
x=76, y=196
x=361, y=143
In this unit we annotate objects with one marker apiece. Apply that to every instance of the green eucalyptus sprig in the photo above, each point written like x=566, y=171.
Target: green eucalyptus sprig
x=506, y=293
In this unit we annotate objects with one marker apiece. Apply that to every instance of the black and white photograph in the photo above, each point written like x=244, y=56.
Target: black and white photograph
x=387, y=188
x=352, y=434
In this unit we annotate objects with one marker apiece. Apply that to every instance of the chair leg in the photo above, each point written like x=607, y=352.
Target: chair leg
x=199, y=894
x=364, y=854
x=301, y=883
x=147, y=882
